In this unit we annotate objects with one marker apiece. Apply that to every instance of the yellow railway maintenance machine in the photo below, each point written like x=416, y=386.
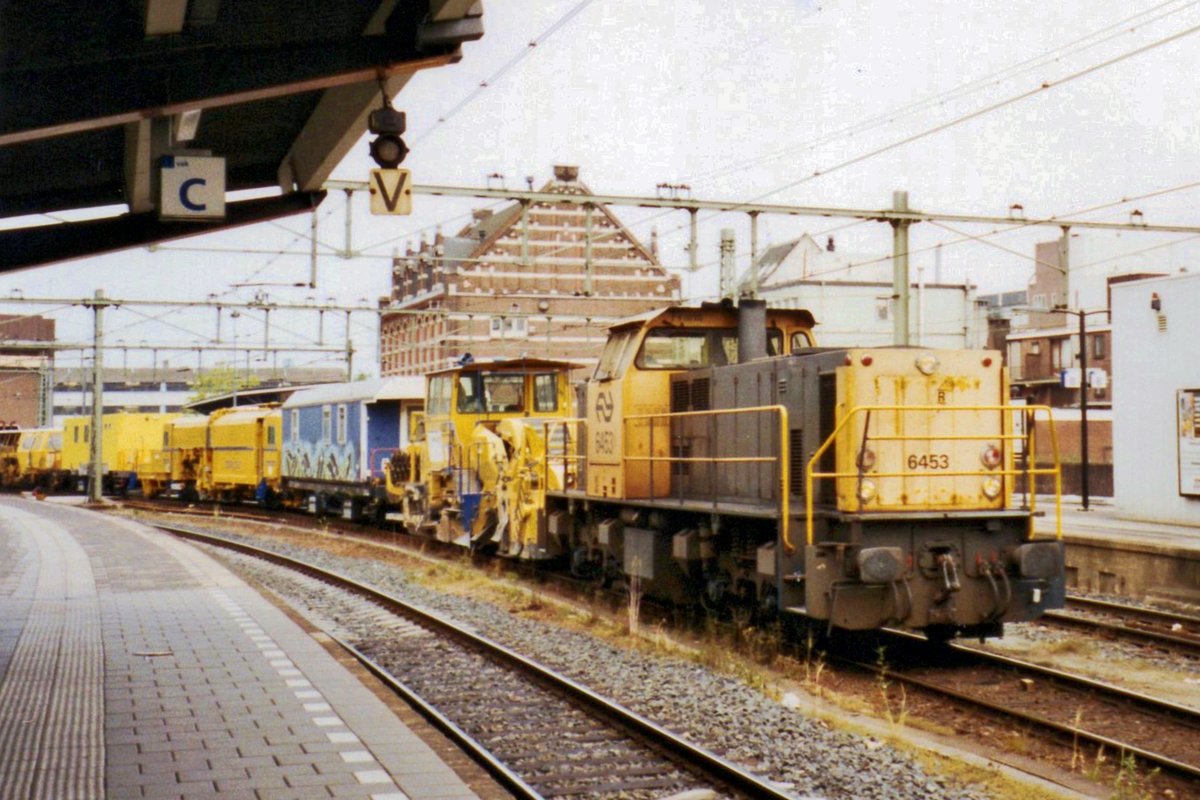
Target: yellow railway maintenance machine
x=476, y=474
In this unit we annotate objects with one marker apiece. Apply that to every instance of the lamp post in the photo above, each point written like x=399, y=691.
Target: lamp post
x=1083, y=397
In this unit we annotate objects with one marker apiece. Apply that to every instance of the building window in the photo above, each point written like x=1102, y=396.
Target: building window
x=1035, y=348
x=1098, y=347
x=341, y=423
x=1056, y=354
x=509, y=327
x=1039, y=301
x=326, y=420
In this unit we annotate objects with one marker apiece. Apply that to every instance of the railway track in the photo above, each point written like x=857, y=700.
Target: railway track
x=1158, y=733
x=1176, y=633
x=1075, y=711
x=539, y=733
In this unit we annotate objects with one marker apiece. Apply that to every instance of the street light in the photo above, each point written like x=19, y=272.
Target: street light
x=1083, y=396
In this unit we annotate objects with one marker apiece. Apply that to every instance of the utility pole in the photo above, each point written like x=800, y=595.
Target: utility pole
x=1083, y=409
x=900, y=270
x=96, y=467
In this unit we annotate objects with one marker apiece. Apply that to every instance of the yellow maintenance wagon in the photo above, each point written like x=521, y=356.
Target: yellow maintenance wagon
x=130, y=439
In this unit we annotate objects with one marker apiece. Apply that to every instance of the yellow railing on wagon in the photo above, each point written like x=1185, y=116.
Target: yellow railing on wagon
x=1007, y=435
x=780, y=455
x=570, y=455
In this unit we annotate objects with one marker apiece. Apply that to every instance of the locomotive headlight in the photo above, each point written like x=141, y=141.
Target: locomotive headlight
x=991, y=456
x=991, y=488
x=927, y=363
x=867, y=491
x=866, y=458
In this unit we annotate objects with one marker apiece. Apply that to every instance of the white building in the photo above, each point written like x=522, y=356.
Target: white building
x=1156, y=404
x=851, y=298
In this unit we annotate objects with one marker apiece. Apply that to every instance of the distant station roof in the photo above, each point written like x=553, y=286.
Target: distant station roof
x=93, y=95
x=244, y=397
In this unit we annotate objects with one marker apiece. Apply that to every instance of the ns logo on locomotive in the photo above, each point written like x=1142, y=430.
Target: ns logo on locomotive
x=714, y=453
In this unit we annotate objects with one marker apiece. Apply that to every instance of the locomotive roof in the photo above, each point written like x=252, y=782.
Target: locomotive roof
x=408, y=387
x=801, y=315
x=513, y=364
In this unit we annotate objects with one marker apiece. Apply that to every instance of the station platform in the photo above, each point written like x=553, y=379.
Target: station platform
x=132, y=665
x=1112, y=554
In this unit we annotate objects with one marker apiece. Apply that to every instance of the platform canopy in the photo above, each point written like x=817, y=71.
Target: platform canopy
x=93, y=96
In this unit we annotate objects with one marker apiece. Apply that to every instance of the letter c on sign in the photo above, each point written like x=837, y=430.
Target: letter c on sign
x=186, y=187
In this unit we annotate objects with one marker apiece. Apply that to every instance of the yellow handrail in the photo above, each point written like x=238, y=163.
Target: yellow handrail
x=782, y=457
x=1031, y=472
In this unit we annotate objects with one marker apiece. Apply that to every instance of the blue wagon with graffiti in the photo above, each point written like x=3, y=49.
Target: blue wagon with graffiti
x=337, y=439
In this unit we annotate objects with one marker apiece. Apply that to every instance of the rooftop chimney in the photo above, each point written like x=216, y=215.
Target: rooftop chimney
x=565, y=173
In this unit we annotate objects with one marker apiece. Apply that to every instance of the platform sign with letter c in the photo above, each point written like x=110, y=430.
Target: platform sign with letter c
x=192, y=187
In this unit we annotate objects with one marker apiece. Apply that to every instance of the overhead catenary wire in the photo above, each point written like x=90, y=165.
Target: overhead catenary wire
x=1125, y=26
x=505, y=68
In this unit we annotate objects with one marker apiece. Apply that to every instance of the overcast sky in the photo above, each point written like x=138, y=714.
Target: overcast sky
x=780, y=101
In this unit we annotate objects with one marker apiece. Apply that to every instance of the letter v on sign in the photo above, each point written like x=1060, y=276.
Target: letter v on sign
x=391, y=191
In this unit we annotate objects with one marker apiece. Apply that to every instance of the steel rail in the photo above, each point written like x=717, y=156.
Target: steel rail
x=1122, y=632
x=691, y=756
x=1184, y=714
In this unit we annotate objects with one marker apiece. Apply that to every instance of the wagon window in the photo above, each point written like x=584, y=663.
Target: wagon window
x=341, y=423
x=294, y=434
x=326, y=423
x=505, y=392
x=470, y=396
x=545, y=392
x=439, y=395
x=270, y=435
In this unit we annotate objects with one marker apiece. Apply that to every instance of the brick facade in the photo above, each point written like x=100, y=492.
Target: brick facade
x=22, y=389
x=520, y=281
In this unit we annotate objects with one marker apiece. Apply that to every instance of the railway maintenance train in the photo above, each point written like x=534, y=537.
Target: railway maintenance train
x=719, y=458
x=715, y=456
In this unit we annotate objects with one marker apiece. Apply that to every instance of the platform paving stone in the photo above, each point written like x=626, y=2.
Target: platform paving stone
x=187, y=683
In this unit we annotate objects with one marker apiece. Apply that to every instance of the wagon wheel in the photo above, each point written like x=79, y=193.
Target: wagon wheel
x=744, y=605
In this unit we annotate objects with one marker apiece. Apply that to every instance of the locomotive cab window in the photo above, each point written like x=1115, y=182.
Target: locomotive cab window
x=695, y=347
x=675, y=349
x=801, y=340
x=545, y=392
x=612, y=358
